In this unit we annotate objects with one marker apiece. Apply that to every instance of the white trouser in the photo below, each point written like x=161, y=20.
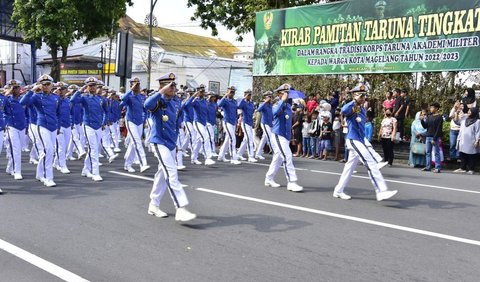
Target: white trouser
x=267, y=133
x=135, y=147
x=148, y=132
x=76, y=140
x=376, y=156
x=45, y=162
x=191, y=135
x=25, y=140
x=247, y=142
x=211, y=136
x=181, y=145
x=281, y=155
x=106, y=143
x=167, y=178
x=93, y=138
x=14, y=149
x=359, y=151
x=63, y=139
x=202, y=142
x=184, y=138
x=230, y=142
x=33, y=135
x=115, y=133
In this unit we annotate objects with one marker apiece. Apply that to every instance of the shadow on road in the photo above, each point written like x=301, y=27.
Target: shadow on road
x=261, y=223
x=433, y=204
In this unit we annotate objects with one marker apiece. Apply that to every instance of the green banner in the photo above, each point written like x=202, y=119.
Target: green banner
x=369, y=36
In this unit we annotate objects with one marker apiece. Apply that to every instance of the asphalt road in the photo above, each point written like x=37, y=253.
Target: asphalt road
x=244, y=231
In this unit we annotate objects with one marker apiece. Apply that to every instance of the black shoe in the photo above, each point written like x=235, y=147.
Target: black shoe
x=425, y=169
x=436, y=170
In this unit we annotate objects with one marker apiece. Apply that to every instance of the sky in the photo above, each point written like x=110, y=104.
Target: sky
x=176, y=15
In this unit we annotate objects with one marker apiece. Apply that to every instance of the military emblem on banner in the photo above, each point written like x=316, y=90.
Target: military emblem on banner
x=268, y=20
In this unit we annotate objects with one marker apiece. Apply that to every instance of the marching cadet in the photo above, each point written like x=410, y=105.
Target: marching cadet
x=247, y=108
x=77, y=141
x=355, y=114
x=15, y=130
x=229, y=106
x=2, y=122
x=212, y=120
x=46, y=104
x=64, y=128
x=94, y=120
x=32, y=131
x=266, y=123
x=202, y=142
x=181, y=140
x=281, y=135
x=133, y=101
x=165, y=111
x=115, y=114
x=105, y=139
x=188, y=120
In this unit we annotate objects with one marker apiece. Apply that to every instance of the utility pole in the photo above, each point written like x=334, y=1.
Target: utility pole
x=150, y=27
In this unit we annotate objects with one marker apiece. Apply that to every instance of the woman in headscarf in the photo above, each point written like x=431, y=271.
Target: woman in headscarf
x=418, y=137
x=469, y=140
x=468, y=98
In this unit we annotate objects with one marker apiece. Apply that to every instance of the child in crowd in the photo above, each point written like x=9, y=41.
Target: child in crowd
x=337, y=132
x=325, y=138
x=307, y=148
x=314, y=132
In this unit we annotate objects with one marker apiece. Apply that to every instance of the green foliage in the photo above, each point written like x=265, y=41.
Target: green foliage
x=57, y=23
x=237, y=14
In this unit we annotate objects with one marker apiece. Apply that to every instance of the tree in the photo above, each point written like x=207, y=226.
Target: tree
x=57, y=23
x=238, y=14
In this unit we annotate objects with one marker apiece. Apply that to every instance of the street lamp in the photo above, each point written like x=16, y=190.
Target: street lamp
x=151, y=21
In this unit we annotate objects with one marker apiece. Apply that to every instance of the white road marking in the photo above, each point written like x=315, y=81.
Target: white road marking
x=326, y=213
x=132, y=175
x=404, y=182
x=387, y=180
x=39, y=262
x=346, y=217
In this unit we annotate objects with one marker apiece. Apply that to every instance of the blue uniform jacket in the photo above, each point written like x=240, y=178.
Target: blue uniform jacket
x=134, y=105
x=32, y=114
x=46, y=106
x=282, y=119
x=76, y=113
x=63, y=112
x=356, y=130
x=180, y=114
x=199, y=109
x=188, y=112
x=212, y=113
x=115, y=110
x=2, y=111
x=15, y=113
x=267, y=113
x=229, y=107
x=165, y=113
x=247, y=109
x=94, y=109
